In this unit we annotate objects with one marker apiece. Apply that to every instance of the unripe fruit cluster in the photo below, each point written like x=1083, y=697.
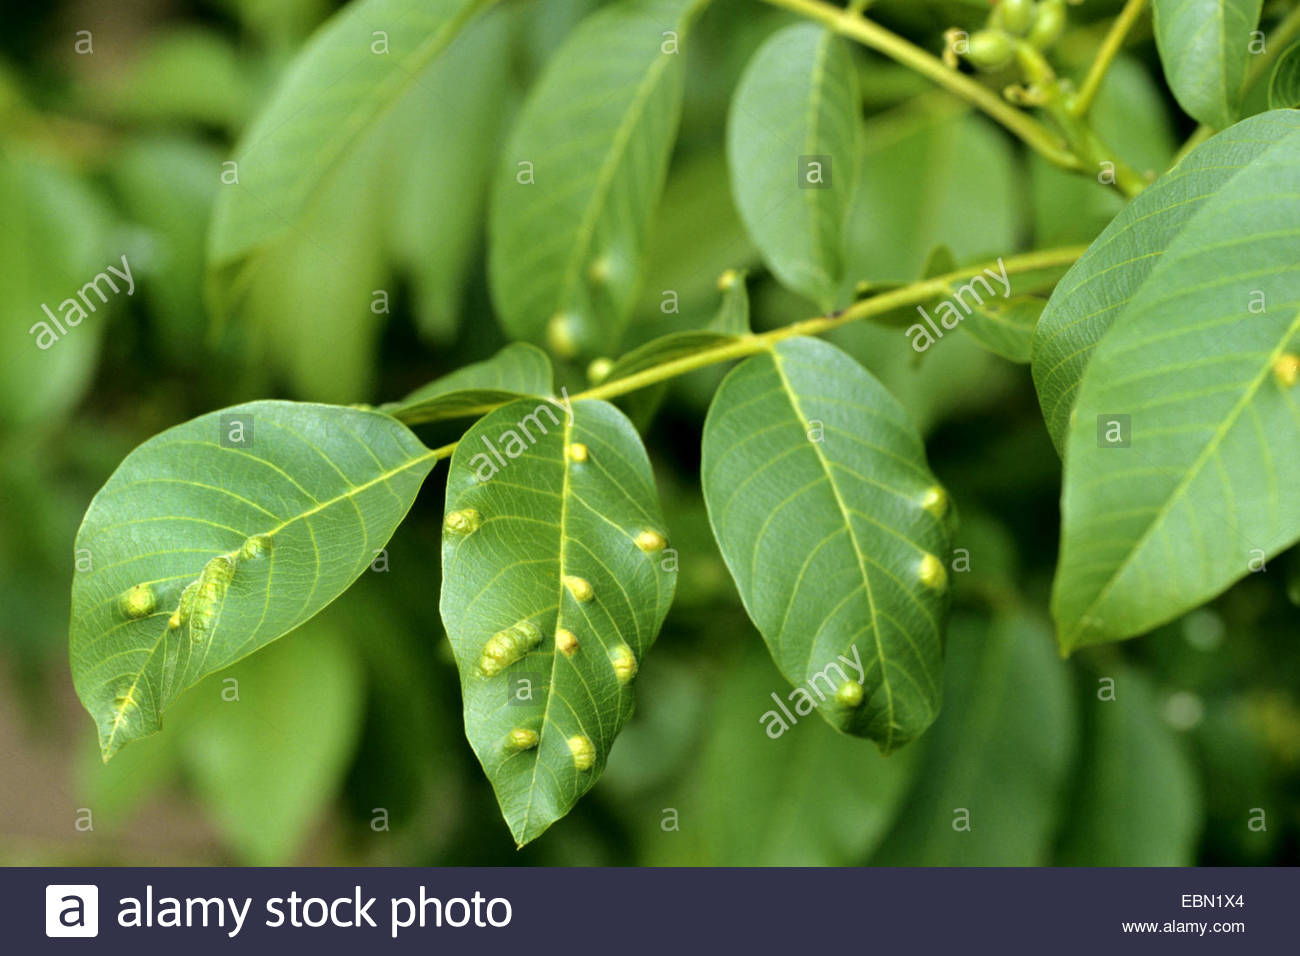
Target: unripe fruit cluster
x=1039, y=23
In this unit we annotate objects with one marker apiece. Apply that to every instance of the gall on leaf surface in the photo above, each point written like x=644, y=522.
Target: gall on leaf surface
x=581, y=174
x=1183, y=456
x=199, y=550
x=556, y=580
x=836, y=533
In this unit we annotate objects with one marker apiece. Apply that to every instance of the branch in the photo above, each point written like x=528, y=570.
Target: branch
x=1106, y=54
x=915, y=294
x=851, y=24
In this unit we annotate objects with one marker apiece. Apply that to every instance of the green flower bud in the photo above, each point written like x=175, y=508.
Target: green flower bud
x=1049, y=25
x=1018, y=15
x=989, y=50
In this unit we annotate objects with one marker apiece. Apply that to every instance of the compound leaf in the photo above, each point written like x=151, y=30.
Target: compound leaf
x=792, y=147
x=555, y=583
x=517, y=370
x=835, y=532
x=220, y=535
x=582, y=172
x=1099, y=287
x=1204, y=45
x=1184, y=456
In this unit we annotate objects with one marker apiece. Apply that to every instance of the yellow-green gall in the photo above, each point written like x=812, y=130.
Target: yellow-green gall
x=566, y=642
x=521, y=738
x=577, y=452
x=849, y=694
x=600, y=269
x=259, y=545
x=562, y=335
x=507, y=646
x=1287, y=369
x=138, y=601
x=584, y=753
x=580, y=588
x=935, y=501
x=599, y=370
x=124, y=700
x=932, y=573
x=651, y=541
x=185, y=607
x=728, y=280
x=624, y=663
x=464, y=521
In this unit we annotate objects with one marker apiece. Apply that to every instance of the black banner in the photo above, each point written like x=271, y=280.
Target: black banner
x=483, y=910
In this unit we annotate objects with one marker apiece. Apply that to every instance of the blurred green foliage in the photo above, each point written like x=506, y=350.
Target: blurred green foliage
x=345, y=744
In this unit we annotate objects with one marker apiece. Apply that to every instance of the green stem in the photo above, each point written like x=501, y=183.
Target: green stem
x=1084, y=141
x=1106, y=54
x=851, y=24
x=915, y=294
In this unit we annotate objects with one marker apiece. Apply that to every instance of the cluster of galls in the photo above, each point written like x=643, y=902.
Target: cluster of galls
x=1035, y=23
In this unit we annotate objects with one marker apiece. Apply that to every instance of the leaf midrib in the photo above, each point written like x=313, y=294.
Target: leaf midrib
x=360, y=121
x=1211, y=447
x=559, y=617
x=608, y=167
x=119, y=712
x=887, y=745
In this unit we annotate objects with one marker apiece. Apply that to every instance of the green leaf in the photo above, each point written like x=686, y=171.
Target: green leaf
x=438, y=193
x=581, y=174
x=166, y=184
x=1138, y=799
x=236, y=526
x=1204, y=45
x=1100, y=286
x=54, y=242
x=811, y=797
x=517, y=370
x=834, y=530
x=1202, y=358
x=182, y=74
x=1001, y=750
x=1006, y=327
x=266, y=745
x=792, y=147
x=930, y=175
x=301, y=231
x=555, y=584
x=1284, y=85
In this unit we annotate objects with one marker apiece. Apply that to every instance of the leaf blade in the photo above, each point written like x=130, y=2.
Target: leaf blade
x=890, y=540
x=1093, y=293
x=517, y=370
x=1203, y=48
x=165, y=493
x=514, y=547
x=1205, y=369
x=797, y=99
x=566, y=250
